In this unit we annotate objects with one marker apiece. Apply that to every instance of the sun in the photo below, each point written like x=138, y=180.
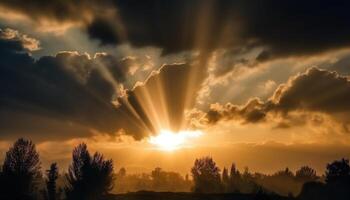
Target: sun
x=168, y=141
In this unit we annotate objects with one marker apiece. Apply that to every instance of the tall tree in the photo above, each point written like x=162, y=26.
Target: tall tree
x=89, y=177
x=51, y=187
x=206, y=176
x=225, y=179
x=235, y=179
x=20, y=170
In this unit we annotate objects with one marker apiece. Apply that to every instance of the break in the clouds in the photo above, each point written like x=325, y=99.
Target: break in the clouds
x=314, y=91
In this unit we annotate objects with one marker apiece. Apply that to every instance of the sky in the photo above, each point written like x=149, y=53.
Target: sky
x=158, y=83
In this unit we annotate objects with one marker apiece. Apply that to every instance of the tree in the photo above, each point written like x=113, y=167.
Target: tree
x=225, y=179
x=235, y=179
x=338, y=172
x=21, y=170
x=122, y=172
x=89, y=177
x=158, y=178
x=306, y=174
x=51, y=187
x=285, y=173
x=206, y=176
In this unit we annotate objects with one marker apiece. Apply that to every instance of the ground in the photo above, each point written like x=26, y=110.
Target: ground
x=190, y=196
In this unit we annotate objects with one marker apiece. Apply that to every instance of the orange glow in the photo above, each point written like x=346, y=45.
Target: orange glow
x=169, y=141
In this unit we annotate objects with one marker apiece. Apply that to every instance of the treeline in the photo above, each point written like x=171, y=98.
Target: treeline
x=89, y=176
x=92, y=177
x=158, y=180
x=283, y=182
x=306, y=185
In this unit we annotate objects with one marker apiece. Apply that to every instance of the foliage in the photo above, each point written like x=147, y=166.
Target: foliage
x=158, y=180
x=206, y=176
x=89, y=177
x=20, y=170
x=306, y=174
x=51, y=188
x=225, y=179
x=338, y=171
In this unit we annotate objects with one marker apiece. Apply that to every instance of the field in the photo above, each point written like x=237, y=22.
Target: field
x=190, y=196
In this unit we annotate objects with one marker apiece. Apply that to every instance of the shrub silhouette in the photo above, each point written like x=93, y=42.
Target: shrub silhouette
x=20, y=171
x=206, y=176
x=306, y=174
x=89, y=177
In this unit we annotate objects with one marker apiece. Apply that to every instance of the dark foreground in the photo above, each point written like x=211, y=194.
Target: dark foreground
x=193, y=196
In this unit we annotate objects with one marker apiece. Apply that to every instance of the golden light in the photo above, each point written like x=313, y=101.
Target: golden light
x=168, y=140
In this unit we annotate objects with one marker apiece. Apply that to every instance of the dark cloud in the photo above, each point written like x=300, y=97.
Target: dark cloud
x=253, y=111
x=53, y=10
x=73, y=94
x=283, y=28
x=58, y=90
x=298, y=27
x=173, y=25
x=315, y=91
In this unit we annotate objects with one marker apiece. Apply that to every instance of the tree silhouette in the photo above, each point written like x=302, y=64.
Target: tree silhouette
x=206, y=176
x=235, y=179
x=122, y=172
x=89, y=177
x=20, y=170
x=285, y=173
x=225, y=180
x=306, y=174
x=336, y=187
x=338, y=171
x=51, y=187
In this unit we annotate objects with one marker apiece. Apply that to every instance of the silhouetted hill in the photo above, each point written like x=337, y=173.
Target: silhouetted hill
x=146, y=195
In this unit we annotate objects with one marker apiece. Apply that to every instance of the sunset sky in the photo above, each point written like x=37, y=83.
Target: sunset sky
x=158, y=83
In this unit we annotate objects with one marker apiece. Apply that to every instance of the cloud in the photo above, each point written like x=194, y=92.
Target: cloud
x=72, y=94
x=54, y=10
x=68, y=92
x=314, y=91
x=230, y=24
x=31, y=44
x=205, y=25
